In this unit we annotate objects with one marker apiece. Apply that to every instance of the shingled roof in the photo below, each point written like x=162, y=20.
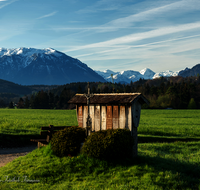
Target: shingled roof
x=114, y=98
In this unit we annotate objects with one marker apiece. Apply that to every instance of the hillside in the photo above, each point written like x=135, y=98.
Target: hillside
x=10, y=87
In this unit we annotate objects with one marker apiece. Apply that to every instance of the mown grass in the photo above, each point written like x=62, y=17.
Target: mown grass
x=29, y=121
x=18, y=126
x=158, y=166
x=169, y=125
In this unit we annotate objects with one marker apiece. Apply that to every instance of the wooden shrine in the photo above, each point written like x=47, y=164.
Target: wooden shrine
x=111, y=111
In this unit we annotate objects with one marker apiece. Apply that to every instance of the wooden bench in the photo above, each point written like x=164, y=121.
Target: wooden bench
x=47, y=132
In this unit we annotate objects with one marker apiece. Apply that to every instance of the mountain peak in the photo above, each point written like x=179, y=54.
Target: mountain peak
x=48, y=66
x=147, y=72
x=27, y=51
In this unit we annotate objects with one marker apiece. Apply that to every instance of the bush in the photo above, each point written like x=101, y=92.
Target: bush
x=109, y=144
x=68, y=141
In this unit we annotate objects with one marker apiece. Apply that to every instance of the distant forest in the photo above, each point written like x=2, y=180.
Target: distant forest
x=164, y=92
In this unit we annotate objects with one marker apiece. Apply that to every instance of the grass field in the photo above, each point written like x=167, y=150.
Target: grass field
x=160, y=165
x=18, y=126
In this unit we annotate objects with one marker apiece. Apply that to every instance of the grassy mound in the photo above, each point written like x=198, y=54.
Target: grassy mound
x=159, y=166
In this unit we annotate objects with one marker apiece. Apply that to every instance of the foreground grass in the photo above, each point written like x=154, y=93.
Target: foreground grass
x=158, y=166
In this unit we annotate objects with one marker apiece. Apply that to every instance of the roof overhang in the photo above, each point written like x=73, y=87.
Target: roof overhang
x=110, y=98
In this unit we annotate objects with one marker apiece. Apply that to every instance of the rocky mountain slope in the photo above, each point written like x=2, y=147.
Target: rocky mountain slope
x=29, y=66
x=194, y=71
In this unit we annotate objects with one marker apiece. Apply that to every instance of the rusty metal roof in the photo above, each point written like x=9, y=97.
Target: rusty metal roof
x=114, y=98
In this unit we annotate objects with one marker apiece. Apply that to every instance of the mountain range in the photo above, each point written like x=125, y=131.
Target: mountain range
x=29, y=66
x=130, y=75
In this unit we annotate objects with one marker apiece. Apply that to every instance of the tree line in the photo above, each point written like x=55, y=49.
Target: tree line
x=170, y=92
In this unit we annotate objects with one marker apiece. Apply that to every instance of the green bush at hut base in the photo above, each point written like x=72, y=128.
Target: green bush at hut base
x=109, y=144
x=68, y=141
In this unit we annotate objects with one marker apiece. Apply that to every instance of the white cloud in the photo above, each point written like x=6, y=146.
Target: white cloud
x=4, y=5
x=141, y=36
x=102, y=5
x=48, y=15
x=180, y=6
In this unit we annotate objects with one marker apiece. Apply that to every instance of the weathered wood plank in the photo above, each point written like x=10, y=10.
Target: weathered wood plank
x=115, y=117
x=103, y=117
x=122, y=122
x=97, y=119
x=92, y=115
x=129, y=117
x=109, y=118
x=80, y=115
x=85, y=115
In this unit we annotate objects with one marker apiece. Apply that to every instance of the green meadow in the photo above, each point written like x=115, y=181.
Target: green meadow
x=168, y=154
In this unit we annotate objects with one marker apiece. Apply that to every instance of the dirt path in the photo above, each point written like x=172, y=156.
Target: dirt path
x=9, y=154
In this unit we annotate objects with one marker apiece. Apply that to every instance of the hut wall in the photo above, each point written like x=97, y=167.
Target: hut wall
x=106, y=117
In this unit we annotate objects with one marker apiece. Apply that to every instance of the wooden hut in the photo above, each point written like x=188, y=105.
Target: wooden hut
x=111, y=111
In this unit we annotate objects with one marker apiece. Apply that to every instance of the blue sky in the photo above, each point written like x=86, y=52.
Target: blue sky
x=108, y=34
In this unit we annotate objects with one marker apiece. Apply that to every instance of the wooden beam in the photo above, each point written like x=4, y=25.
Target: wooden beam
x=136, y=109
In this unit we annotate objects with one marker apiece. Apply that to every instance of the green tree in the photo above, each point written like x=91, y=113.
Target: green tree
x=20, y=104
x=11, y=105
x=192, y=104
x=27, y=102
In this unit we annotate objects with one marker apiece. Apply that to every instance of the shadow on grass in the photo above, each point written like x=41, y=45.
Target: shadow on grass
x=184, y=172
x=8, y=141
x=142, y=139
x=185, y=175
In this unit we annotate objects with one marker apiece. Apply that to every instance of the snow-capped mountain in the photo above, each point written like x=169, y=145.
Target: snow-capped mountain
x=166, y=74
x=29, y=66
x=130, y=75
x=147, y=73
